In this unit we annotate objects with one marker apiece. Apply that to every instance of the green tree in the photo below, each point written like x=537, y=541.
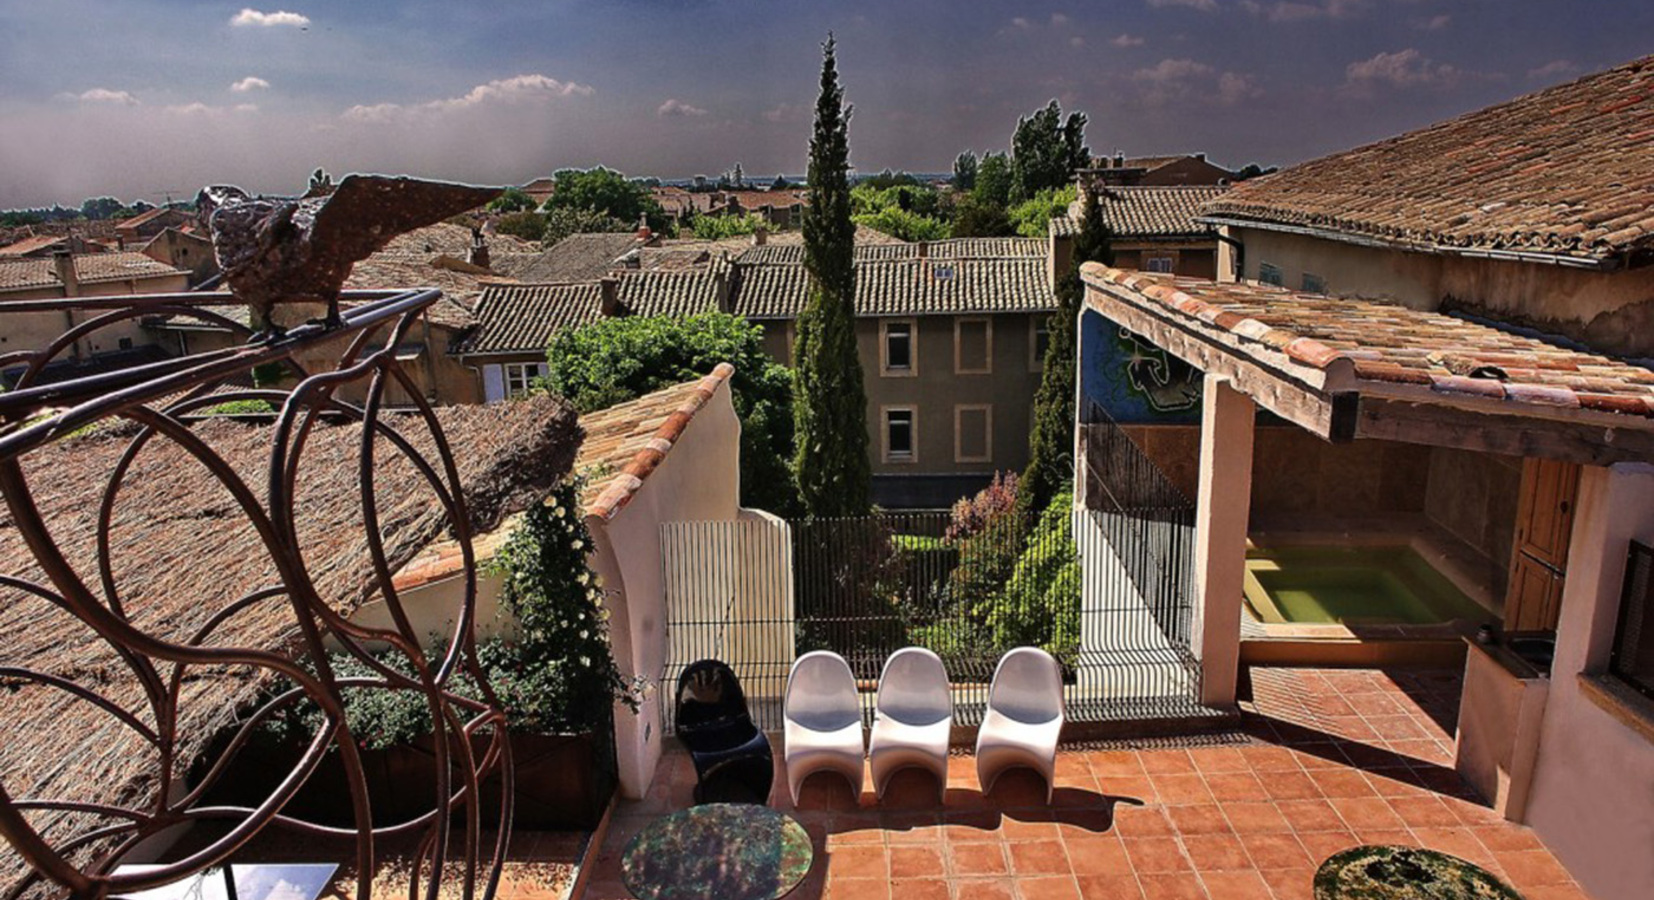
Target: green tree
x=1030, y=217
x=993, y=180
x=560, y=223
x=1051, y=442
x=1046, y=151
x=974, y=218
x=100, y=207
x=714, y=228
x=900, y=223
x=617, y=359
x=780, y=183
x=527, y=224
x=509, y=201
x=829, y=404
x=608, y=192
x=964, y=171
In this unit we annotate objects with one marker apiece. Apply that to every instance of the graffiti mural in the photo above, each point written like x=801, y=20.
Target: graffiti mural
x=1134, y=380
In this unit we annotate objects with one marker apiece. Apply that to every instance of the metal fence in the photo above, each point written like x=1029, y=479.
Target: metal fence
x=1104, y=590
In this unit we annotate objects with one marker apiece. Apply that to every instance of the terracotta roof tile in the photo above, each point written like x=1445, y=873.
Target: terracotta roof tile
x=1566, y=171
x=1148, y=212
x=935, y=286
x=1387, y=344
x=92, y=268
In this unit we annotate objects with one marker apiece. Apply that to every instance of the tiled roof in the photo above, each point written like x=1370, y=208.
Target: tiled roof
x=1383, y=346
x=623, y=445
x=758, y=199
x=954, y=248
x=1147, y=212
x=32, y=244
x=578, y=257
x=905, y=287
x=92, y=268
x=446, y=311
x=1567, y=171
x=144, y=217
x=522, y=318
x=455, y=240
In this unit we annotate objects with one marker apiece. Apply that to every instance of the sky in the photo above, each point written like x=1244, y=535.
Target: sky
x=145, y=99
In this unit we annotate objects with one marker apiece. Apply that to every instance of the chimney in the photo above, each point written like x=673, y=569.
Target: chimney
x=611, y=296
x=63, y=262
x=760, y=237
x=1119, y=160
x=923, y=249
x=1201, y=157
x=478, y=255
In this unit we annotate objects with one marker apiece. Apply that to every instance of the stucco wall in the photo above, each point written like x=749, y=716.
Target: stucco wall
x=1474, y=496
x=1612, y=311
x=1593, y=790
x=699, y=480
x=32, y=331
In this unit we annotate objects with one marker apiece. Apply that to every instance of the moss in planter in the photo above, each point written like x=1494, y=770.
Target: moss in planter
x=1405, y=873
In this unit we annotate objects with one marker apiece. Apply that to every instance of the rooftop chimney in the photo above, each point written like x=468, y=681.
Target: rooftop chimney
x=63, y=262
x=923, y=249
x=478, y=254
x=760, y=237
x=1200, y=156
x=1119, y=160
x=611, y=296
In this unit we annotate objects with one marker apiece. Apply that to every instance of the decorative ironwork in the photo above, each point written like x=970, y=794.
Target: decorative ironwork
x=157, y=678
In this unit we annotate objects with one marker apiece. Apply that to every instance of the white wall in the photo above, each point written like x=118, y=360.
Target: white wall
x=1592, y=799
x=698, y=480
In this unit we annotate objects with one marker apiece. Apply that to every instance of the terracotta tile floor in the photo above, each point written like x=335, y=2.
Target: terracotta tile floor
x=1328, y=759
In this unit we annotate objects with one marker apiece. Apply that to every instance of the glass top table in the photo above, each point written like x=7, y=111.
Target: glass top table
x=240, y=881
x=731, y=851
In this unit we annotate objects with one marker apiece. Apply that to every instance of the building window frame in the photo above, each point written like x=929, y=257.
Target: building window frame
x=959, y=409
x=988, y=345
x=1269, y=273
x=911, y=370
x=889, y=455
x=1038, y=324
x=1160, y=264
x=518, y=377
x=1314, y=284
x=1636, y=614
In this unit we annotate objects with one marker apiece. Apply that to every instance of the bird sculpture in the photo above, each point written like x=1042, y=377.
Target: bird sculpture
x=281, y=250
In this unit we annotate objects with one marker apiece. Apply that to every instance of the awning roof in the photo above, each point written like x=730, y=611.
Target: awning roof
x=1346, y=368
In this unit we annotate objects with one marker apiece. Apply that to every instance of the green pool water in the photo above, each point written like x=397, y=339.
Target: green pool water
x=1390, y=585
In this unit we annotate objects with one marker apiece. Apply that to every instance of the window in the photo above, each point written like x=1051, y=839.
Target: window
x=898, y=353
x=1039, y=340
x=1314, y=284
x=1632, y=658
x=1269, y=273
x=1163, y=264
x=901, y=436
x=519, y=377
x=973, y=347
x=973, y=433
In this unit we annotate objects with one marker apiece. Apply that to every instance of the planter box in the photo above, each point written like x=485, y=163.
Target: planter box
x=563, y=782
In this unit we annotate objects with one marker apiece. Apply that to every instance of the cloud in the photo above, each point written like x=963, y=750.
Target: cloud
x=201, y=109
x=1202, y=5
x=252, y=17
x=1020, y=22
x=1059, y=20
x=1126, y=40
x=678, y=108
x=785, y=112
x=1556, y=68
x=250, y=83
x=105, y=95
x=1188, y=81
x=1434, y=23
x=1402, y=69
x=1076, y=41
x=517, y=89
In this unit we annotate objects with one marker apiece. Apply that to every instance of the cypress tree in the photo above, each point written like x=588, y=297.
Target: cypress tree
x=1051, y=441
x=829, y=402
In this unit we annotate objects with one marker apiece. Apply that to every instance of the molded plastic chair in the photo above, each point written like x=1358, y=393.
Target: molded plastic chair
x=1024, y=718
x=823, y=721
x=914, y=717
x=733, y=762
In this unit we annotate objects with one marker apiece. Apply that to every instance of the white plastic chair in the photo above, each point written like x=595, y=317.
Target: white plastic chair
x=822, y=715
x=913, y=717
x=1024, y=718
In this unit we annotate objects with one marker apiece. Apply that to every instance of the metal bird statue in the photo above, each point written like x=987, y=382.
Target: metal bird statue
x=281, y=250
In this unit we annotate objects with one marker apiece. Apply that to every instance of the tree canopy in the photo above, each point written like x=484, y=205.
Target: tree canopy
x=993, y=180
x=603, y=190
x=964, y=171
x=1046, y=151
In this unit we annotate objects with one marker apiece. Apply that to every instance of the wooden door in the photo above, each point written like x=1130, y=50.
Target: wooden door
x=1539, y=557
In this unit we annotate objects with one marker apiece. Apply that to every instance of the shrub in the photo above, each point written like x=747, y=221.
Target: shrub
x=528, y=225
x=900, y=223
x=1030, y=218
x=1040, y=605
x=971, y=514
x=715, y=228
x=560, y=222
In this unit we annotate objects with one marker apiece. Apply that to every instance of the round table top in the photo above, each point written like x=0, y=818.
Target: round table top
x=1405, y=873
x=731, y=851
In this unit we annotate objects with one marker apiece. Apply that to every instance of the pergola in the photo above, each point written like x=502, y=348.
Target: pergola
x=1346, y=369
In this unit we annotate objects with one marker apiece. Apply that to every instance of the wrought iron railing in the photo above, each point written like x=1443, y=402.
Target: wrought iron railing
x=146, y=699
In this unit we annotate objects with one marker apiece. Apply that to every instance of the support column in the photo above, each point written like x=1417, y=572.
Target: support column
x=1222, y=508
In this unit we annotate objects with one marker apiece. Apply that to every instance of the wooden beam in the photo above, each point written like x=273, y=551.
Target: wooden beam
x=1512, y=435
x=1275, y=391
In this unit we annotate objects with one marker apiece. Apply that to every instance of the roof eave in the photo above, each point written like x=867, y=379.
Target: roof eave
x=1596, y=263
